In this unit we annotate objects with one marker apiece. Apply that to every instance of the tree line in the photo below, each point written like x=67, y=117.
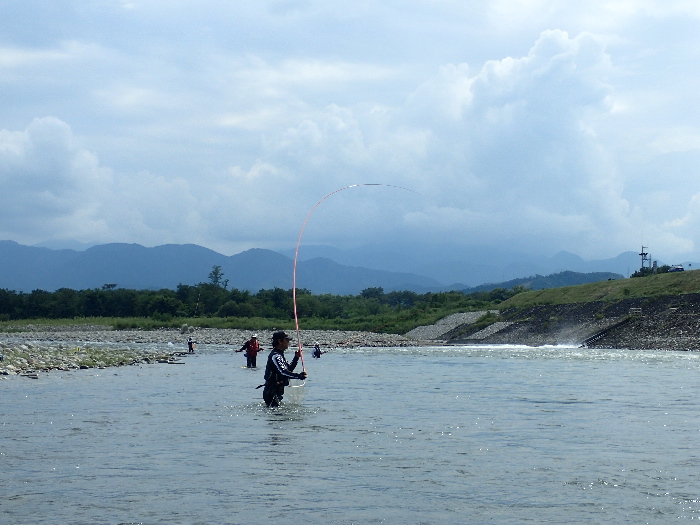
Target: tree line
x=213, y=299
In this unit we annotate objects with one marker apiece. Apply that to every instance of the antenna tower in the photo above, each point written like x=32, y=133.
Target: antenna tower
x=645, y=257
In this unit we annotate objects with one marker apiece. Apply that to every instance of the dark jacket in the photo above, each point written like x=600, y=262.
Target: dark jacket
x=278, y=371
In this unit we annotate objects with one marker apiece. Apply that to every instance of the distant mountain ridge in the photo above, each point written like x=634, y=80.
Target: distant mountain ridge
x=26, y=268
x=471, y=265
x=320, y=269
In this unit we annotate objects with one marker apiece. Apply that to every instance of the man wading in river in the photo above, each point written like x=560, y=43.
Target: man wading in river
x=278, y=371
x=251, y=348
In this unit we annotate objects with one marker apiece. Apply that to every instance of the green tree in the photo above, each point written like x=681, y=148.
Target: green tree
x=65, y=304
x=164, y=303
x=93, y=303
x=216, y=277
x=11, y=306
x=276, y=303
x=210, y=298
x=234, y=309
x=373, y=293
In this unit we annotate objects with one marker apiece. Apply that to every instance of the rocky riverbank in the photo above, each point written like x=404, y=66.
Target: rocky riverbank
x=41, y=348
x=30, y=358
x=670, y=323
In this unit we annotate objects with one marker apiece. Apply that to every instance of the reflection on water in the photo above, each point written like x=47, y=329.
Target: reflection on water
x=437, y=435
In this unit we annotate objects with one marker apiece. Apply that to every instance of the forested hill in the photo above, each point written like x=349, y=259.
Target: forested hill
x=555, y=280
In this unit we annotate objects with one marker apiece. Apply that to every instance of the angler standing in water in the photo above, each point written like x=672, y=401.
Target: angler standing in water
x=278, y=371
x=317, y=351
x=251, y=348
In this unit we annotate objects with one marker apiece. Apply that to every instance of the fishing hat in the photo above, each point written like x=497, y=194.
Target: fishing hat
x=277, y=336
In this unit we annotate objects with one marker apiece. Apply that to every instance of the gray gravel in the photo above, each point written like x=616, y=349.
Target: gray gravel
x=64, y=348
x=28, y=358
x=330, y=338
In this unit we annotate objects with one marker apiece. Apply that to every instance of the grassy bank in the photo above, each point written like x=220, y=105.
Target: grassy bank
x=665, y=284
x=398, y=323
x=143, y=323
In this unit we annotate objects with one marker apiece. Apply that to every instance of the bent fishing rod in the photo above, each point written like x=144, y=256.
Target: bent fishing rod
x=296, y=256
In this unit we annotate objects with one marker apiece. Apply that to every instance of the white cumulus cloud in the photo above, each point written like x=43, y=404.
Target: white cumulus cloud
x=538, y=124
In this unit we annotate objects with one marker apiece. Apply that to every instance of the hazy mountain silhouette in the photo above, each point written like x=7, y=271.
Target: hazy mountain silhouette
x=471, y=265
x=320, y=269
x=27, y=268
x=556, y=280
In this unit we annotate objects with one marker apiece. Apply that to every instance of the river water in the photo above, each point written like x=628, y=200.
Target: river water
x=434, y=435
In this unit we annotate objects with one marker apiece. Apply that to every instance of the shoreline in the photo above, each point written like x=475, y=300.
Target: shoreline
x=631, y=324
x=43, y=349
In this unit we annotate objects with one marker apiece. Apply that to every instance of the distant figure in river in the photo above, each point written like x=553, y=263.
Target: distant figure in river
x=191, y=345
x=278, y=371
x=317, y=351
x=251, y=347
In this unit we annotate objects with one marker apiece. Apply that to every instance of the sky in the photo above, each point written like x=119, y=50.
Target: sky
x=538, y=125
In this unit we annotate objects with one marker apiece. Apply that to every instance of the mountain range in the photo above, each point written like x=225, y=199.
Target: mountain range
x=320, y=269
x=27, y=268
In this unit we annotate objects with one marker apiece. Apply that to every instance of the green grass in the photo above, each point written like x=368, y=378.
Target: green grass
x=675, y=283
x=396, y=322
x=377, y=323
x=147, y=323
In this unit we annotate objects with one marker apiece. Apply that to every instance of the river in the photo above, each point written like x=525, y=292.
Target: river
x=432, y=435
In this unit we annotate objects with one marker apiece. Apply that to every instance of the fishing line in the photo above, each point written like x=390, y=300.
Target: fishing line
x=196, y=308
x=296, y=255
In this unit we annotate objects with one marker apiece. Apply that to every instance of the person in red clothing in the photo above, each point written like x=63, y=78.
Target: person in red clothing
x=251, y=347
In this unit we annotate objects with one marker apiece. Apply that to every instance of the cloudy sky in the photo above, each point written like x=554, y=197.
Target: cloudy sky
x=543, y=125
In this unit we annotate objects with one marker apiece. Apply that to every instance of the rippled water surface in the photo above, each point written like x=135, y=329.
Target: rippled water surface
x=438, y=435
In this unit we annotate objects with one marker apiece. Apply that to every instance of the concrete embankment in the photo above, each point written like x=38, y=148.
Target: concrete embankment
x=445, y=327
x=668, y=322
